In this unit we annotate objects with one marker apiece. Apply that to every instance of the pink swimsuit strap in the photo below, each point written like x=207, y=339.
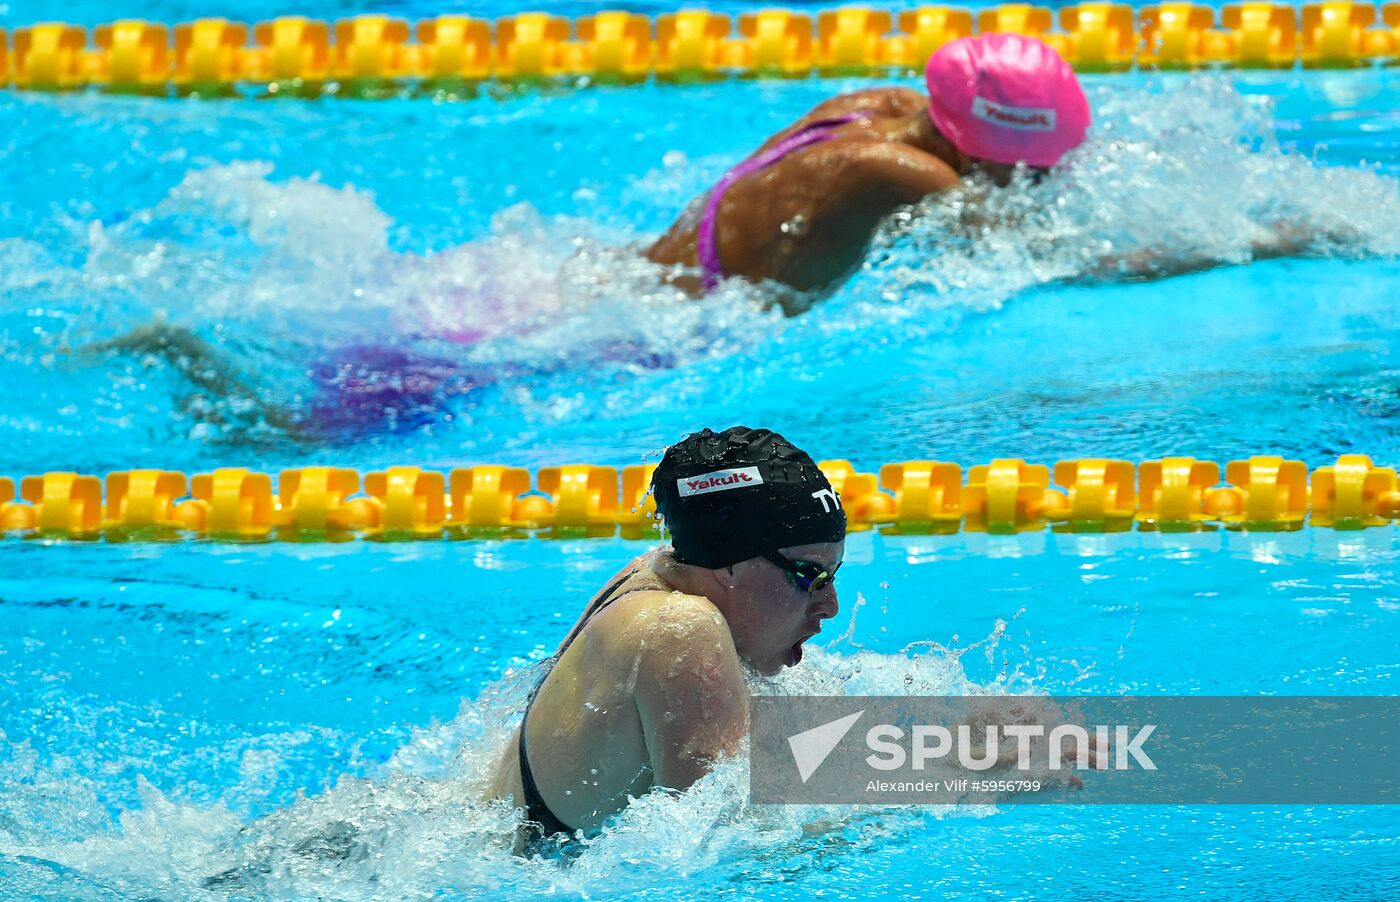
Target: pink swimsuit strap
x=706, y=248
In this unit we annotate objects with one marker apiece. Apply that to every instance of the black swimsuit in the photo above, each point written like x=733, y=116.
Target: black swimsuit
x=544, y=822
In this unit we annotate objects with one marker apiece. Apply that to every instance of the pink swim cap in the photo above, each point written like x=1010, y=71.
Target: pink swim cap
x=1006, y=98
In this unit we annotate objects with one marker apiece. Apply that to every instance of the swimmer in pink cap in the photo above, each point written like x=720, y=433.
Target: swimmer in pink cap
x=1004, y=98
x=802, y=209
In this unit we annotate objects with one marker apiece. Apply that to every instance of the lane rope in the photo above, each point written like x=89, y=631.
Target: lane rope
x=379, y=55
x=1264, y=493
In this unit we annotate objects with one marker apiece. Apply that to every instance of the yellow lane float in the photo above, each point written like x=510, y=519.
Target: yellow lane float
x=928, y=495
x=65, y=505
x=373, y=55
x=774, y=42
x=615, y=46
x=1008, y=496
x=584, y=498
x=454, y=48
x=312, y=501
x=1100, y=37
x=292, y=50
x=232, y=504
x=50, y=57
x=209, y=54
x=1354, y=494
x=370, y=48
x=143, y=501
x=531, y=46
x=489, y=499
x=1264, y=493
x=409, y=503
x=850, y=40
x=636, y=513
x=1102, y=497
x=133, y=55
x=1273, y=493
x=1172, y=493
x=1261, y=35
x=691, y=44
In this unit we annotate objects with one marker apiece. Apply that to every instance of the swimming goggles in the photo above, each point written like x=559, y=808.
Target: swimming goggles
x=807, y=576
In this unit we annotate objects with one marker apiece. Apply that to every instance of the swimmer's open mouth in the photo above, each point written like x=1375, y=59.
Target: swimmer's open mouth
x=795, y=653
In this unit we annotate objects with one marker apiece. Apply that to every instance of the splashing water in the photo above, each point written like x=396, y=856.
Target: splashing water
x=418, y=827
x=283, y=275
x=1184, y=178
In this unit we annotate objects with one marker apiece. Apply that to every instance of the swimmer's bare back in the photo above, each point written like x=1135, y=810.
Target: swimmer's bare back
x=807, y=220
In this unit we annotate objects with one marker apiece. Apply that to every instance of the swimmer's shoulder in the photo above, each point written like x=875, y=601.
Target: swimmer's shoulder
x=646, y=615
x=664, y=635
x=871, y=101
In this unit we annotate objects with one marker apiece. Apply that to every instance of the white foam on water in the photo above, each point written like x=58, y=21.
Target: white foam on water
x=1183, y=176
x=230, y=243
x=417, y=828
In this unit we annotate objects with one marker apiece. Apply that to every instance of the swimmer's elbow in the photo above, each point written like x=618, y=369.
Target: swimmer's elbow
x=684, y=769
x=902, y=174
x=682, y=753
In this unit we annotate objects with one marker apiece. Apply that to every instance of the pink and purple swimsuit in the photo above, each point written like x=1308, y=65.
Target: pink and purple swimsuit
x=706, y=244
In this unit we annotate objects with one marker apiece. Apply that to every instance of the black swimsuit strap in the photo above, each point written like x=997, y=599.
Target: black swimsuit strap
x=536, y=810
x=538, y=813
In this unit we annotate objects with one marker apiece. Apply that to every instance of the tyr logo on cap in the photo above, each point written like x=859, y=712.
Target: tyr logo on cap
x=719, y=481
x=1023, y=118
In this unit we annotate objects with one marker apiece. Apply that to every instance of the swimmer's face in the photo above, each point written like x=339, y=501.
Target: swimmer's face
x=770, y=616
x=1002, y=173
x=999, y=173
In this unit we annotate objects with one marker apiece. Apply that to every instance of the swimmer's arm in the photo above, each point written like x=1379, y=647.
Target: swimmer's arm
x=689, y=692
x=898, y=173
x=1284, y=240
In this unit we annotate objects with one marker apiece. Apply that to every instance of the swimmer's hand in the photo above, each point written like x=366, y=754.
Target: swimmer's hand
x=1096, y=752
x=1041, y=712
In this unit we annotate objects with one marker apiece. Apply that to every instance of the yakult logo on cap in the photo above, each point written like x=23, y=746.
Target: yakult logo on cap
x=719, y=481
x=1022, y=118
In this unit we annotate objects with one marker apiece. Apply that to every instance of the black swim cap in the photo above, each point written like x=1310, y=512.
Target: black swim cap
x=734, y=495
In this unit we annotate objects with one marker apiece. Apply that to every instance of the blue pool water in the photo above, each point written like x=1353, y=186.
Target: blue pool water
x=170, y=713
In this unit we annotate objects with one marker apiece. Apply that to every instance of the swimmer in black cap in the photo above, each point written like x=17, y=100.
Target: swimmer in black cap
x=647, y=689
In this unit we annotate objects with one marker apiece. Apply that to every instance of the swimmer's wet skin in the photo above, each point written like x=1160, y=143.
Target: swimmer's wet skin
x=647, y=690
x=802, y=210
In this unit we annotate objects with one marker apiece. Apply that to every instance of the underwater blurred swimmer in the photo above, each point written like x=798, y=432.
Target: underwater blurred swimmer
x=803, y=208
x=647, y=690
